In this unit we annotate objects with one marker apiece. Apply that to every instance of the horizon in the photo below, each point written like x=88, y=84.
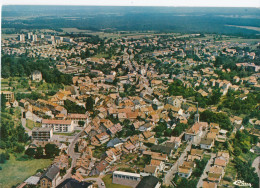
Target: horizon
x=141, y=3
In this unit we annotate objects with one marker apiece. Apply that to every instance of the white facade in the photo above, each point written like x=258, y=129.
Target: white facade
x=59, y=125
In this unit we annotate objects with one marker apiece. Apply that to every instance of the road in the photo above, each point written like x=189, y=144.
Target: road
x=255, y=164
x=74, y=157
x=99, y=181
x=206, y=169
x=174, y=168
x=23, y=120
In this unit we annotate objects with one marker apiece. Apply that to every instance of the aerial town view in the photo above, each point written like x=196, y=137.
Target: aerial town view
x=129, y=97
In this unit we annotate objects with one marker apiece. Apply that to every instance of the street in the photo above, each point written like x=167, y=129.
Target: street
x=173, y=170
x=74, y=157
x=206, y=169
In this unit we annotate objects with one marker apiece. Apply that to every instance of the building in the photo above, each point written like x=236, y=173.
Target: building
x=41, y=133
x=78, y=117
x=126, y=178
x=9, y=96
x=21, y=38
x=59, y=125
x=195, y=132
x=72, y=183
x=49, y=177
x=185, y=169
x=36, y=76
x=149, y=182
x=206, y=143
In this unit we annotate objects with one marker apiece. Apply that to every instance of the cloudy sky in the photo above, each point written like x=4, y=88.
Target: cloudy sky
x=197, y=3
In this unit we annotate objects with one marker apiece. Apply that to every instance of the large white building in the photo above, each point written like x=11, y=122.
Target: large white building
x=36, y=75
x=59, y=125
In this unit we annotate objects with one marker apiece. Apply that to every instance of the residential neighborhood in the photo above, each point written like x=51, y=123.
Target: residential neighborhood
x=153, y=110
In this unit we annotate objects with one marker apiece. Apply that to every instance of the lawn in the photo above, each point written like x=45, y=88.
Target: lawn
x=108, y=181
x=31, y=124
x=15, y=172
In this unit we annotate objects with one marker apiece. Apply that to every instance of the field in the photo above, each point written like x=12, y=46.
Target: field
x=14, y=172
x=31, y=124
x=108, y=181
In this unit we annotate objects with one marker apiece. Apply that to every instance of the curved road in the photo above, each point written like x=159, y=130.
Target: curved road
x=74, y=157
x=256, y=165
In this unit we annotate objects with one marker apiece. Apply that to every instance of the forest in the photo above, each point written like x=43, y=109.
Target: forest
x=23, y=67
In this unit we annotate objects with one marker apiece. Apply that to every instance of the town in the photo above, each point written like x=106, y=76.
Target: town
x=131, y=109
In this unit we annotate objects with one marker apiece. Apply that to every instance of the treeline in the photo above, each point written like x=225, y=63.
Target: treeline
x=238, y=106
x=49, y=151
x=243, y=141
x=24, y=66
x=12, y=138
x=246, y=172
x=177, y=88
x=220, y=118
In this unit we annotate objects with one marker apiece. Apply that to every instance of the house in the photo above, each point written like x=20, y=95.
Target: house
x=195, y=154
x=149, y=182
x=176, y=141
x=220, y=161
x=115, y=129
x=206, y=143
x=158, y=163
x=36, y=76
x=156, y=156
x=207, y=184
x=78, y=117
x=128, y=147
x=195, y=132
x=217, y=170
x=150, y=170
x=185, y=169
x=175, y=101
x=103, y=137
x=116, y=142
x=49, y=177
x=99, y=168
x=33, y=180
x=72, y=183
x=214, y=177
x=162, y=149
x=126, y=178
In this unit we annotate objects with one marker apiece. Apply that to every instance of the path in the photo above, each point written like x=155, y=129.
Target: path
x=23, y=120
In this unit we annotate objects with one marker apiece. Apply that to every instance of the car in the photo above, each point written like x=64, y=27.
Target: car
x=103, y=184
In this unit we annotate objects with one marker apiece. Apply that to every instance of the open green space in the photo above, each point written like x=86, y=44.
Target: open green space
x=14, y=172
x=108, y=182
x=31, y=124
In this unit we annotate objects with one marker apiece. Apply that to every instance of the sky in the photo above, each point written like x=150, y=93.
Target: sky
x=189, y=3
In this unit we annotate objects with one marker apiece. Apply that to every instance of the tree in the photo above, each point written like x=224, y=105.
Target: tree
x=30, y=152
x=237, y=151
x=73, y=171
x=51, y=150
x=81, y=123
x=90, y=104
x=19, y=148
x=3, y=102
x=39, y=152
